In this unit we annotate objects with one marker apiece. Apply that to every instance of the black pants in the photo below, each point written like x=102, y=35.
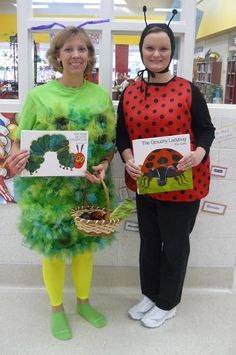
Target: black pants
x=164, y=228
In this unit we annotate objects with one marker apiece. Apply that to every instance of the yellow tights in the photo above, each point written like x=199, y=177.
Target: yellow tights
x=54, y=276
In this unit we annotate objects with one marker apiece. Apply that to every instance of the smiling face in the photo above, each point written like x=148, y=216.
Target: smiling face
x=74, y=56
x=156, y=51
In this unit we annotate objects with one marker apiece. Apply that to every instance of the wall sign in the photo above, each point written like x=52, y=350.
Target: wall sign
x=212, y=207
x=225, y=133
x=131, y=226
x=218, y=170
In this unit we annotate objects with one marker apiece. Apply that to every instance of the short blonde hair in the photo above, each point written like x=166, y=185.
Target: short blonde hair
x=58, y=42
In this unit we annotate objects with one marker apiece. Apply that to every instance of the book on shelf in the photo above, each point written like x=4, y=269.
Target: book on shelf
x=158, y=158
x=55, y=153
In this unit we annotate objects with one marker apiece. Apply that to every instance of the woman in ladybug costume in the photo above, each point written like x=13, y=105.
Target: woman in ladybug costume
x=163, y=105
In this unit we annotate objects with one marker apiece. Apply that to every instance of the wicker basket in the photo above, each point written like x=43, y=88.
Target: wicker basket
x=96, y=228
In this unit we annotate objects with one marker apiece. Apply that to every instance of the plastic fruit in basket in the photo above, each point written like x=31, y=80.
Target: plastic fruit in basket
x=95, y=215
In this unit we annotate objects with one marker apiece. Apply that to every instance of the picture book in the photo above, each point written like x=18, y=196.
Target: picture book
x=158, y=158
x=55, y=153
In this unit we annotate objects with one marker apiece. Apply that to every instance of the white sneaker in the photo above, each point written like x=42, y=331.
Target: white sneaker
x=140, y=309
x=157, y=316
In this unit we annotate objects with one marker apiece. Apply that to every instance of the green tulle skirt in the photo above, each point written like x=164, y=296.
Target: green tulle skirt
x=46, y=205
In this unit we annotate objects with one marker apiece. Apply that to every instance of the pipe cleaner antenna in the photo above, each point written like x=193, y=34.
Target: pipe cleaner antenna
x=48, y=27
x=144, y=14
x=174, y=12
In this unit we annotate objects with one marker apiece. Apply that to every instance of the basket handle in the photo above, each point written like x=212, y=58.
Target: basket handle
x=107, y=200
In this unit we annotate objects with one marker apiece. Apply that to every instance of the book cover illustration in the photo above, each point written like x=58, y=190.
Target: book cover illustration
x=158, y=158
x=55, y=153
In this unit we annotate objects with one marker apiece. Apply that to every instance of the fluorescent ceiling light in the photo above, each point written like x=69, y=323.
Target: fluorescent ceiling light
x=88, y=1
x=91, y=6
x=40, y=6
x=120, y=2
x=48, y=1
x=68, y=1
x=36, y=6
x=116, y=2
x=165, y=10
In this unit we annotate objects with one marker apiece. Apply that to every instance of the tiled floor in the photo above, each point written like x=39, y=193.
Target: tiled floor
x=205, y=324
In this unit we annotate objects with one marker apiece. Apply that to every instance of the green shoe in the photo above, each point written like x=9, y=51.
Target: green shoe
x=91, y=315
x=59, y=326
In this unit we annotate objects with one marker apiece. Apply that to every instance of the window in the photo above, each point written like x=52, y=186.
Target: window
x=8, y=53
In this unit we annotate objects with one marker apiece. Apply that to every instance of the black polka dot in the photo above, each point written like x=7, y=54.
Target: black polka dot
x=162, y=160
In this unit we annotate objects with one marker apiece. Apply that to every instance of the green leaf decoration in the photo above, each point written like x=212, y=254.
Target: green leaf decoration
x=123, y=210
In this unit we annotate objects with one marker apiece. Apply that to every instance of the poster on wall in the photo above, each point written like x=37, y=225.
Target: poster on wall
x=8, y=128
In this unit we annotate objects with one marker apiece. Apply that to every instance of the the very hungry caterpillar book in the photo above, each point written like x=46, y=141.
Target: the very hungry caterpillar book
x=158, y=158
x=55, y=153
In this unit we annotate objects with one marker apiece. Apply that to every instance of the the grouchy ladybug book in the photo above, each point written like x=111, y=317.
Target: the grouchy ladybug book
x=158, y=158
x=55, y=153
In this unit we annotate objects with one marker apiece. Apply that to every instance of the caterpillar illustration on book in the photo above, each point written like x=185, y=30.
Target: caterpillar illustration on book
x=54, y=143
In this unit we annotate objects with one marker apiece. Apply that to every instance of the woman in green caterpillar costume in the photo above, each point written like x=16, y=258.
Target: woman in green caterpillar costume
x=69, y=103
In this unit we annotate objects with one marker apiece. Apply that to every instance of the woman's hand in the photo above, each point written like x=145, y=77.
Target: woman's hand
x=4, y=191
x=16, y=162
x=192, y=159
x=132, y=169
x=99, y=172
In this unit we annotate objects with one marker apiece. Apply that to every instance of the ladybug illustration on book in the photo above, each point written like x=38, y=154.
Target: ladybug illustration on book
x=79, y=157
x=161, y=164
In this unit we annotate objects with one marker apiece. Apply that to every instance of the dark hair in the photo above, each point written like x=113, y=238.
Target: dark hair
x=58, y=42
